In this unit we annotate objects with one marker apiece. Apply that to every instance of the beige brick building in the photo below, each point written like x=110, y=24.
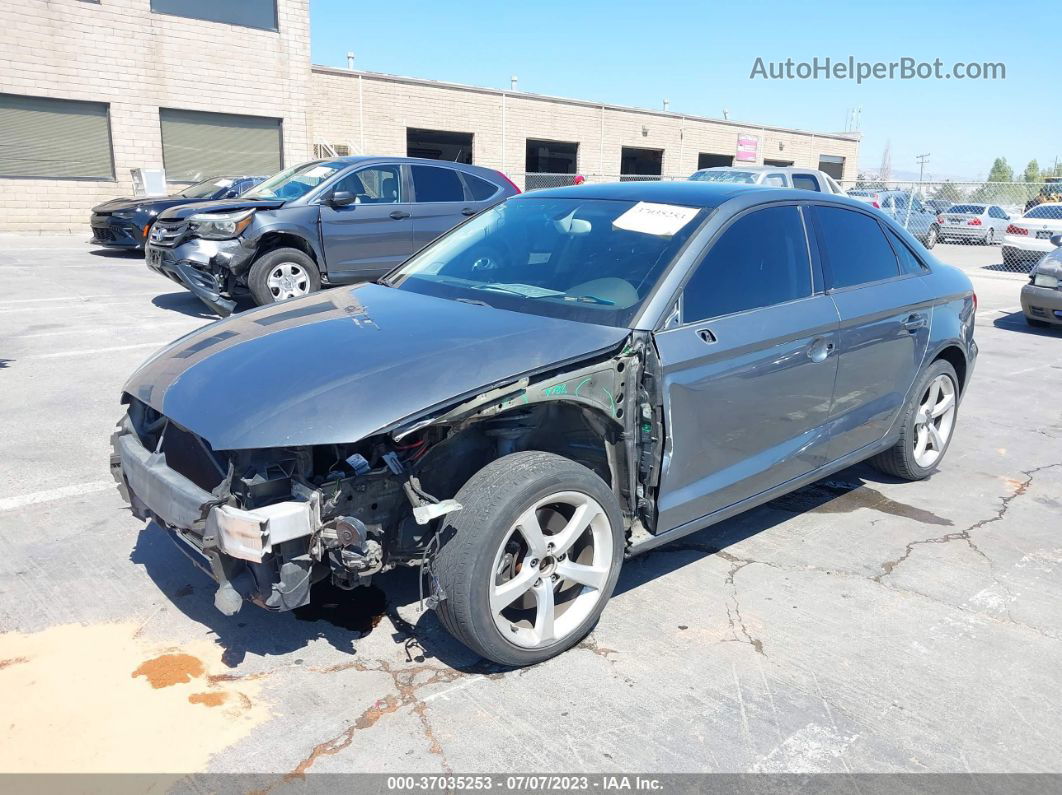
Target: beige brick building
x=90, y=90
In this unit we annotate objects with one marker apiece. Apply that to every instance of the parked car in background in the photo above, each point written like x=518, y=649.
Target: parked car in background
x=326, y=222
x=1041, y=298
x=572, y=377
x=974, y=223
x=938, y=205
x=1028, y=238
x=773, y=176
x=906, y=209
x=124, y=223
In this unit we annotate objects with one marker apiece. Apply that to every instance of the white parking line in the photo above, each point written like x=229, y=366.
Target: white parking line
x=62, y=492
x=177, y=324
x=86, y=351
x=75, y=297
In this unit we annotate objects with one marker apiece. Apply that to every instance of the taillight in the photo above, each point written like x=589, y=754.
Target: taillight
x=975, y=301
x=515, y=186
x=940, y=220
x=1016, y=230
x=974, y=222
x=875, y=204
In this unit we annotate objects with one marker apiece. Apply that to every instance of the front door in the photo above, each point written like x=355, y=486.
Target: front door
x=885, y=313
x=366, y=239
x=748, y=375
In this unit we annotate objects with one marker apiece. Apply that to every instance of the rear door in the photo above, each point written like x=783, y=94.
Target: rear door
x=748, y=373
x=366, y=239
x=439, y=202
x=885, y=312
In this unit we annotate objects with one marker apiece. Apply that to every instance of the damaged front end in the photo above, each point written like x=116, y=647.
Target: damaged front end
x=267, y=524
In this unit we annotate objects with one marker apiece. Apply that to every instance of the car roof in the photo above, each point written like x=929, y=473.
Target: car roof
x=684, y=192
x=761, y=169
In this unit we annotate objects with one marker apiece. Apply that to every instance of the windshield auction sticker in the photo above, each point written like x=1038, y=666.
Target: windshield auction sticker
x=655, y=219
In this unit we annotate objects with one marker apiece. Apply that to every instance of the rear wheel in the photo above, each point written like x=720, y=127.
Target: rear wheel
x=990, y=238
x=931, y=237
x=927, y=428
x=529, y=562
x=282, y=274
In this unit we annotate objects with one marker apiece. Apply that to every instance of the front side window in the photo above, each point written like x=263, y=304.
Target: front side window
x=376, y=185
x=760, y=260
x=855, y=247
x=294, y=182
x=433, y=184
x=591, y=260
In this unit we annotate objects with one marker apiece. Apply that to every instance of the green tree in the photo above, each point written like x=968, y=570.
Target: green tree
x=948, y=191
x=1032, y=172
x=991, y=191
x=1000, y=171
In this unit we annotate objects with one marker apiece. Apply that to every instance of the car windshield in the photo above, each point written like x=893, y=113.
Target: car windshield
x=294, y=182
x=208, y=188
x=590, y=260
x=744, y=177
x=967, y=209
x=1051, y=212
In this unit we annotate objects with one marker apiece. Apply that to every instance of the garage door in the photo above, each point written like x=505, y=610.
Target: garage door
x=58, y=138
x=199, y=145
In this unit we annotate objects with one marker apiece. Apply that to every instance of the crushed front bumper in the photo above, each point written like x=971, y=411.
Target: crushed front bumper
x=1042, y=303
x=204, y=267
x=236, y=547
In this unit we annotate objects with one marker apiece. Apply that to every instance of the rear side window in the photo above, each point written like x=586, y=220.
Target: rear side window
x=855, y=247
x=432, y=184
x=480, y=189
x=775, y=179
x=909, y=263
x=805, y=182
x=760, y=260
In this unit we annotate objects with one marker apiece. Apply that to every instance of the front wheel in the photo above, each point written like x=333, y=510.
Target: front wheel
x=931, y=237
x=927, y=428
x=282, y=274
x=529, y=562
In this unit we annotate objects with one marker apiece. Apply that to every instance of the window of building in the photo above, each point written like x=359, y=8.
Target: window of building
x=635, y=162
x=551, y=157
x=760, y=260
x=710, y=160
x=198, y=145
x=373, y=185
x=439, y=145
x=832, y=165
x=855, y=247
x=249, y=13
x=778, y=163
x=437, y=184
x=54, y=138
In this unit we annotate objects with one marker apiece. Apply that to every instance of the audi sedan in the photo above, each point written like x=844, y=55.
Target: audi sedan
x=565, y=380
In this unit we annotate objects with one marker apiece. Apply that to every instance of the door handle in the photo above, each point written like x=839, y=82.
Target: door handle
x=398, y=215
x=468, y=211
x=820, y=349
x=706, y=335
x=915, y=322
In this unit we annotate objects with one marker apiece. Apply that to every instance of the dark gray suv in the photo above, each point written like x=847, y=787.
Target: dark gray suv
x=572, y=377
x=326, y=222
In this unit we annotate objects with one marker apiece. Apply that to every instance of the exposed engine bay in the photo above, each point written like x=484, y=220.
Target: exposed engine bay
x=267, y=524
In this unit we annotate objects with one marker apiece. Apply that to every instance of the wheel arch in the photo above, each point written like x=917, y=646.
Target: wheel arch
x=954, y=355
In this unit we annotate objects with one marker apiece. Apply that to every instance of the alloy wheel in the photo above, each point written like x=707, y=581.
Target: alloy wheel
x=934, y=421
x=288, y=280
x=551, y=569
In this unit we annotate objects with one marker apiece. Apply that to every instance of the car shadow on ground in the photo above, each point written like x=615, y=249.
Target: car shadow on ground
x=186, y=304
x=118, y=253
x=343, y=618
x=1015, y=321
x=1023, y=267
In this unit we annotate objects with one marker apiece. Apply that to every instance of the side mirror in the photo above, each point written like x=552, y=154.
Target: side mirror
x=342, y=198
x=1056, y=240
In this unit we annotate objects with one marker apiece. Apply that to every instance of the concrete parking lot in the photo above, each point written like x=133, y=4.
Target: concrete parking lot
x=860, y=625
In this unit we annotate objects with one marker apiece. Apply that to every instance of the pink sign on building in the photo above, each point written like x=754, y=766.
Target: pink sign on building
x=747, y=147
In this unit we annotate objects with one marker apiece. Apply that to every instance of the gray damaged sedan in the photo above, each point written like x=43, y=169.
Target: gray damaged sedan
x=568, y=379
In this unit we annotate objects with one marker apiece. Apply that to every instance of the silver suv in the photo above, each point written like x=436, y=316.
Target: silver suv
x=772, y=176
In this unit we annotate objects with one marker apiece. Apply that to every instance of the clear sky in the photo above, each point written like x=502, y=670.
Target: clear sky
x=700, y=55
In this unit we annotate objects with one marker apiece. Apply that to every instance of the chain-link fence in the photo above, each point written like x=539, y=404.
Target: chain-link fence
x=1018, y=218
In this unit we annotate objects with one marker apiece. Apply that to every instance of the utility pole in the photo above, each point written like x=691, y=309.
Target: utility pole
x=922, y=160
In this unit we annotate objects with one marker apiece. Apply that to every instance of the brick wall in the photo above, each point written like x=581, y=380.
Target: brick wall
x=344, y=100
x=121, y=53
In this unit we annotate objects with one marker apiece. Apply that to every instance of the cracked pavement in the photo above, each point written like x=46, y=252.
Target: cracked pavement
x=861, y=625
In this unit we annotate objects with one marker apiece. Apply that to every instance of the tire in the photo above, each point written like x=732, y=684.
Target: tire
x=903, y=459
x=483, y=548
x=931, y=237
x=1036, y=323
x=990, y=238
x=282, y=274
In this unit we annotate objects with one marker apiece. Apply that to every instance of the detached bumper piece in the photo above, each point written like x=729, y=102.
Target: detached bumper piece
x=262, y=554
x=202, y=284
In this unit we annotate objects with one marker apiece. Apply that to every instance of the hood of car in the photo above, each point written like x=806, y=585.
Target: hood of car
x=342, y=365
x=149, y=203
x=218, y=206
